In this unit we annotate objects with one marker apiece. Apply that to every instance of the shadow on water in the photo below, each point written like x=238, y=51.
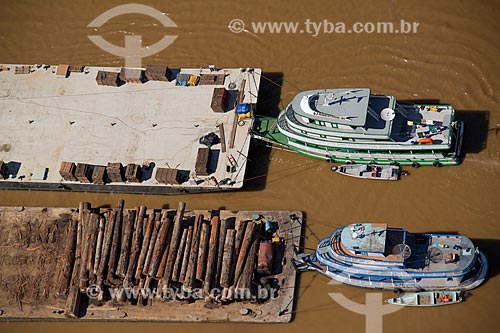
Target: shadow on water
x=268, y=104
x=491, y=248
x=476, y=124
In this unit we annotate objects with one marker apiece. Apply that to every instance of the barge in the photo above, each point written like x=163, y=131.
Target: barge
x=142, y=264
x=152, y=130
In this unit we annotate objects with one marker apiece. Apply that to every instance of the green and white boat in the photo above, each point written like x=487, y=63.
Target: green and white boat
x=355, y=126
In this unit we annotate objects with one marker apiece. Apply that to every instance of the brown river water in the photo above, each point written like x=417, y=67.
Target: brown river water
x=452, y=58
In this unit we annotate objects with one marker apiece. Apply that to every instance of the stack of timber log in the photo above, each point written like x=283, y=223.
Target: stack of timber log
x=158, y=250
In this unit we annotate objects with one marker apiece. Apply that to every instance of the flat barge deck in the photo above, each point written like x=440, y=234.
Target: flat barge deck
x=143, y=264
x=107, y=129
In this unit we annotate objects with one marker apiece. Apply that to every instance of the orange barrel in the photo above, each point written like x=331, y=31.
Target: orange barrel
x=265, y=260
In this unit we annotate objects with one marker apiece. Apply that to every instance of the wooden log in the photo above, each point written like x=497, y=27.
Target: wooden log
x=239, y=99
x=145, y=246
x=174, y=245
x=72, y=306
x=245, y=246
x=163, y=262
x=245, y=279
x=68, y=259
x=226, y=278
x=187, y=254
x=117, y=237
x=88, y=221
x=180, y=255
x=152, y=241
x=201, y=263
x=106, y=245
x=160, y=246
x=98, y=247
x=95, y=221
x=136, y=244
x=140, y=297
x=212, y=256
x=128, y=228
x=220, y=251
x=240, y=232
x=193, y=255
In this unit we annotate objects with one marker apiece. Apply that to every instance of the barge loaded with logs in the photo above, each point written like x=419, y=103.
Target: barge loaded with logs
x=148, y=264
x=154, y=130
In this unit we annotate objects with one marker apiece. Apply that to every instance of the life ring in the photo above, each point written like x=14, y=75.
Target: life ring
x=349, y=162
x=415, y=165
x=334, y=168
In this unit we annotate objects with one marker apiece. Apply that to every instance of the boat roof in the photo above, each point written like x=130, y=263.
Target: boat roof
x=343, y=106
x=47, y=119
x=368, y=237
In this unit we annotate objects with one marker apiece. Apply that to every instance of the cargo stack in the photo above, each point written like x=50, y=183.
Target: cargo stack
x=98, y=174
x=212, y=79
x=202, y=161
x=220, y=100
x=105, y=78
x=133, y=173
x=132, y=75
x=67, y=171
x=114, y=171
x=83, y=173
x=168, y=176
x=157, y=73
x=75, y=69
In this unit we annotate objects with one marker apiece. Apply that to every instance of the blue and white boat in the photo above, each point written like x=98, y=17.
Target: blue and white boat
x=377, y=256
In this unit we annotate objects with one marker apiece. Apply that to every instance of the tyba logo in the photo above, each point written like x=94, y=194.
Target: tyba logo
x=133, y=52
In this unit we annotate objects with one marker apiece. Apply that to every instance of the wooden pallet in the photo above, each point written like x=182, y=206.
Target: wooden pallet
x=83, y=173
x=67, y=171
x=168, y=176
x=22, y=70
x=98, y=174
x=133, y=173
x=114, y=171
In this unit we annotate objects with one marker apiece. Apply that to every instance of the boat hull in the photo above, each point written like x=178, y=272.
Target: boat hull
x=303, y=263
x=427, y=298
x=386, y=172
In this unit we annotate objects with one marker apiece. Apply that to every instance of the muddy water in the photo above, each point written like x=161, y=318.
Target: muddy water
x=452, y=58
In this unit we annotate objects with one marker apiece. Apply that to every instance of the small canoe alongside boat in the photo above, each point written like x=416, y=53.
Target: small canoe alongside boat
x=428, y=298
x=370, y=171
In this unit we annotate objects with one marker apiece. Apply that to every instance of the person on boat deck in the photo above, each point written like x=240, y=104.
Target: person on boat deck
x=444, y=299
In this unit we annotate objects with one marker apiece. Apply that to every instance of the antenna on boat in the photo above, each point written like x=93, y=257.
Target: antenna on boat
x=403, y=249
x=387, y=114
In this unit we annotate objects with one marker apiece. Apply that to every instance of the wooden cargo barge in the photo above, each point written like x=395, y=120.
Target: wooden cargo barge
x=141, y=264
